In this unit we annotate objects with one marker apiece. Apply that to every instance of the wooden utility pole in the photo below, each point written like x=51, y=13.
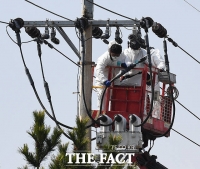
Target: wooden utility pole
x=87, y=11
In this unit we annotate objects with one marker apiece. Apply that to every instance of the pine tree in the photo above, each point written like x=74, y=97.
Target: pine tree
x=44, y=142
x=80, y=141
x=61, y=160
x=78, y=135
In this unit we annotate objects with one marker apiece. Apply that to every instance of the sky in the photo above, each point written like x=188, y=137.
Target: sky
x=17, y=99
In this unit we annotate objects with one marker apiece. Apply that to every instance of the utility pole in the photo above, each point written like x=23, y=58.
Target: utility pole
x=87, y=11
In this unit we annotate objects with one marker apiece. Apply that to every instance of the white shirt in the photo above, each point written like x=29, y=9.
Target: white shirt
x=132, y=57
x=101, y=70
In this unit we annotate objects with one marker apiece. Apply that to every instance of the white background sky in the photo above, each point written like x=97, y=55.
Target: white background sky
x=17, y=100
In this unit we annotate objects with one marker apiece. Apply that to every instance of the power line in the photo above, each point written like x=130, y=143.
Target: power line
x=185, y=137
x=189, y=54
x=48, y=10
x=13, y=39
x=187, y=109
x=192, y=6
x=35, y=91
x=110, y=10
x=52, y=47
x=4, y=22
x=176, y=45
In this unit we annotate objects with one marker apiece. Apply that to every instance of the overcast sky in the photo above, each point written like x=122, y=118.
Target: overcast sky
x=17, y=100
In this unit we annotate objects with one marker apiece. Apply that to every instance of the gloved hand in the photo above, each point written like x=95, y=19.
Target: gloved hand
x=107, y=83
x=123, y=65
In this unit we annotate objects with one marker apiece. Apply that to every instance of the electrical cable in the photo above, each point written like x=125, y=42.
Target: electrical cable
x=93, y=139
x=66, y=57
x=52, y=47
x=192, y=6
x=127, y=28
x=13, y=39
x=171, y=89
x=22, y=56
x=78, y=79
x=189, y=54
x=89, y=38
x=47, y=88
x=4, y=22
x=41, y=104
x=93, y=120
x=77, y=34
x=9, y=35
x=83, y=86
x=31, y=80
x=186, y=108
x=128, y=69
x=151, y=146
x=28, y=41
x=185, y=137
x=110, y=10
x=49, y=11
x=35, y=91
x=151, y=80
x=32, y=84
x=176, y=45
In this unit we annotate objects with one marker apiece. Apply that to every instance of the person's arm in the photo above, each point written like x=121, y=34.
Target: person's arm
x=157, y=60
x=102, y=62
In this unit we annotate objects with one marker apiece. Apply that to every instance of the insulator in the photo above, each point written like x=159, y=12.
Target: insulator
x=146, y=22
x=33, y=31
x=16, y=24
x=106, y=35
x=117, y=37
x=104, y=119
x=105, y=41
x=53, y=36
x=159, y=30
x=55, y=40
x=46, y=33
x=133, y=121
x=96, y=32
x=81, y=23
x=20, y=22
x=120, y=123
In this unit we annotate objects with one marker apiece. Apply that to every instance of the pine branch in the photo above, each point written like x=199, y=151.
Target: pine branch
x=29, y=157
x=60, y=161
x=44, y=144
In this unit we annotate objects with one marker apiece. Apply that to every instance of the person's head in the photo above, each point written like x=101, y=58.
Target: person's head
x=115, y=51
x=135, y=45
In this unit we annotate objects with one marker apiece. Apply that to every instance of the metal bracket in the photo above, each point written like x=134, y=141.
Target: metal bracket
x=66, y=38
x=87, y=63
x=99, y=23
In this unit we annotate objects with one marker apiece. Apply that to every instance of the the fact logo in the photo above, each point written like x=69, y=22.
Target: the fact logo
x=104, y=158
